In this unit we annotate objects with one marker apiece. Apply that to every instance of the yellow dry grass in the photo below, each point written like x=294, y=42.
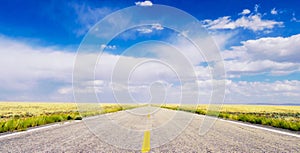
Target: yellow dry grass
x=28, y=109
x=244, y=108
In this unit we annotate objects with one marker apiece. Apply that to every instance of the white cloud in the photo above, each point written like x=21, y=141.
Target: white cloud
x=245, y=12
x=112, y=47
x=222, y=39
x=145, y=30
x=270, y=55
x=65, y=90
x=220, y=23
x=145, y=3
x=251, y=22
x=23, y=65
x=33, y=73
x=278, y=92
x=274, y=11
x=237, y=68
x=88, y=16
x=256, y=8
x=157, y=26
x=150, y=29
x=27, y=67
x=280, y=49
x=145, y=73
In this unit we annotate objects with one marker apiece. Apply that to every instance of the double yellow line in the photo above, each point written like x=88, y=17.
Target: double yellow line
x=146, y=141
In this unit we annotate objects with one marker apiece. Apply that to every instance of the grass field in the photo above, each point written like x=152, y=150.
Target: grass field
x=286, y=117
x=18, y=116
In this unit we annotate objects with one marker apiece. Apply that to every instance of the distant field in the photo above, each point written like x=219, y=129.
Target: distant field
x=286, y=117
x=18, y=116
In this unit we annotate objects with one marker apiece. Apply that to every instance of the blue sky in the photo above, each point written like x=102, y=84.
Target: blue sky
x=59, y=23
x=259, y=41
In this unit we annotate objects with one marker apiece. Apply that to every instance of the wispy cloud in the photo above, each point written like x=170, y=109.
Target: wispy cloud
x=87, y=16
x=245, y=12
x=256, y=8
x=147, y=29
x=144, y=30
x=112, y=47
x=274, y=11
x=253, y=22
x=294, y=19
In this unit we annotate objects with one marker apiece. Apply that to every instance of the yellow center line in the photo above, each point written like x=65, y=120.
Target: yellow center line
x=146, y=141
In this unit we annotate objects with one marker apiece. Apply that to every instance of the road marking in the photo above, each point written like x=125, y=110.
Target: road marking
x=263, y=128
x=146, y=142
x=36, y=129
x=31, y=130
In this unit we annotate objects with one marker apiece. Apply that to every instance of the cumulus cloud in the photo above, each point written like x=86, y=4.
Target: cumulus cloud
x=280, y=49
x=145, y=3
x=270, y=55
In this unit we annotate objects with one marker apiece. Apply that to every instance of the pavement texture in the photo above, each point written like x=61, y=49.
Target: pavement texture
x=148, y=129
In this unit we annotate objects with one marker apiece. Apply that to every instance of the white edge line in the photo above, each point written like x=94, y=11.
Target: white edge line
x=36, y=129
x=46, y=127
x=262, y=128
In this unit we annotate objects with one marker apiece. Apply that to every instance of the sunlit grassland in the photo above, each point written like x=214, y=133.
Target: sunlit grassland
x=286, y=117
x=18, y=116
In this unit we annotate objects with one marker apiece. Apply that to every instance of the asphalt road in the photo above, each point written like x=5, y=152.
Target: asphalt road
x=141, y=129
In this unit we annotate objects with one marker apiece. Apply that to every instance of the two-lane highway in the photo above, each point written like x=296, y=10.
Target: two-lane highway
x=141, y=129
